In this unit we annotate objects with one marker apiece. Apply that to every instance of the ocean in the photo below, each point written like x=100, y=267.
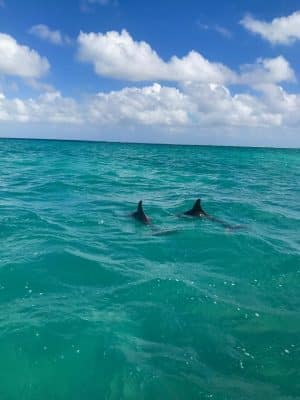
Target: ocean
x=93, y=305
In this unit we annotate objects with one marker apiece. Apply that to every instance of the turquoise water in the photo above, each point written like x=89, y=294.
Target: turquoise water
x=93, y=306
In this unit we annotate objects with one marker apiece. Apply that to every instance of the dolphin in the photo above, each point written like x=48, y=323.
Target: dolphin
x=140, y=215
x=198, y=212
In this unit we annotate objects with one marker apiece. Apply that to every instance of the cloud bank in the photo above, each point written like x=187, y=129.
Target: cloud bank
x=198, y=93
x=191, y=105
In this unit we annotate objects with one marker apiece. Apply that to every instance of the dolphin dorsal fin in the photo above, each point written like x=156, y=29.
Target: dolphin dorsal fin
x=139, y=214
x=196, y=210
x=140, y=209
x=197, y=206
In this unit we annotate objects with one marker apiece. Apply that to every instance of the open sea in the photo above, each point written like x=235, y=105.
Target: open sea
x=94, y=306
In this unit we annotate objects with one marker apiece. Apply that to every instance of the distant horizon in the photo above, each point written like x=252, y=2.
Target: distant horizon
x=144, y=143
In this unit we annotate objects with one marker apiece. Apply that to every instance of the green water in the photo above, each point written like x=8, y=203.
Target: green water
x=93, y=306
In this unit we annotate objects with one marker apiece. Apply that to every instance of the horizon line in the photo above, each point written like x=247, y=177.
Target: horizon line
x=146, y=143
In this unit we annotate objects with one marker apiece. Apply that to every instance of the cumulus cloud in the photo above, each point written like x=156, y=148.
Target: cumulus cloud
x=150, y=105
x=216, y=106
x=20, y=60
x=283, y=103
x=194, y=105
x=282, y=30
x=117, y=55
x=49, y=107
x=52, y=36
x=268, y=70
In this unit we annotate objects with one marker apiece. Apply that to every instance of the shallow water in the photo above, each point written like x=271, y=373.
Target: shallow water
x=93, y=306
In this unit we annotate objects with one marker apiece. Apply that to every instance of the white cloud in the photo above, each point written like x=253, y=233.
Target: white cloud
x=268, y=70
x=150, y=105
x=117, y=55
x=195, y=105
x=20, y=60
x=279, y=101
x=216, y=106
x=283, y=30
x=49, y=107
x=52, y=36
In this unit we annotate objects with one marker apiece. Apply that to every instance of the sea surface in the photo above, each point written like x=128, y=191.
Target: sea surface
x=94, y=305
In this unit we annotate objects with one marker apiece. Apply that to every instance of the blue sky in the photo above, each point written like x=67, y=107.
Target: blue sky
x=209, y=72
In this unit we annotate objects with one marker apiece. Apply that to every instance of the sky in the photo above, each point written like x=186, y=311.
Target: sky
x=164, y=71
